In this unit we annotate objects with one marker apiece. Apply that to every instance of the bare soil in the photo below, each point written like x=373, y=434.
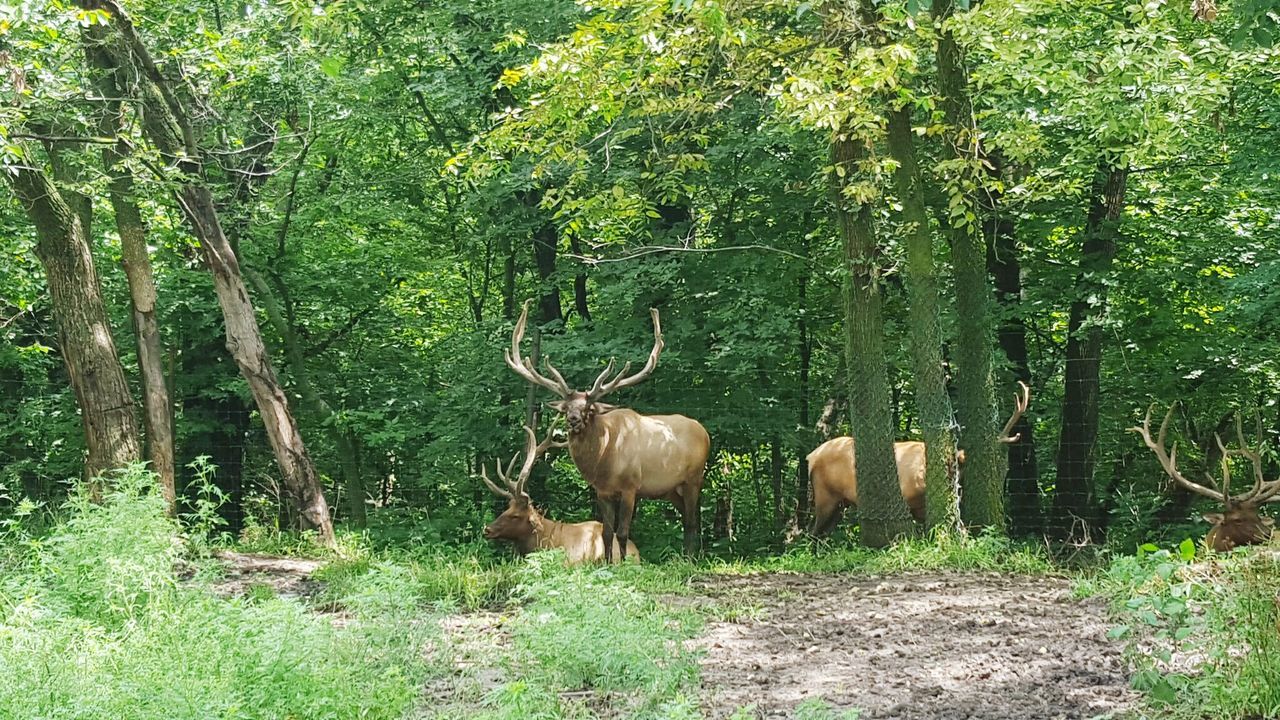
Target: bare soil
x=917, y=647
x=287, y=577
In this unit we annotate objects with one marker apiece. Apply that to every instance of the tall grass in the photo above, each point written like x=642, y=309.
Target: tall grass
x=94, y=623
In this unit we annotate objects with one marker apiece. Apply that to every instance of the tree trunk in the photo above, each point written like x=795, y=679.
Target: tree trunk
x=775, y=477
x=169, y=127
x=1073, y=498
x=882, y=512
x=982, y=482
x=1003, y=263
x=805, y=444
x=579, y=282
x=932, y=401
x=545, y=239
x=84, y=335
x=343, y=439
x=134, y=257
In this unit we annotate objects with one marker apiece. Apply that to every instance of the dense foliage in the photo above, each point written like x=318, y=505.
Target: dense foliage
x=396, y=179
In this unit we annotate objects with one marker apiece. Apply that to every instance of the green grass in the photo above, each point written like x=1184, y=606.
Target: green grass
x=94, y=623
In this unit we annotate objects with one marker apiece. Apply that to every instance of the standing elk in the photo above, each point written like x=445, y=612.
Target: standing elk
x=622, y=454
x=835, y=478
x=1240, y=522
x=529, y=529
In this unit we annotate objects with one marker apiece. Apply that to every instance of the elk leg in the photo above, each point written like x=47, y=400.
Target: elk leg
x=607, y=508
x=691, y=515
x=826, y=510
x=625, y=511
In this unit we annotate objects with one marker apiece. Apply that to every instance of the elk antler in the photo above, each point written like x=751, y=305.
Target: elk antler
x=523, y=366
x=1020, y=402
x=1263, y=490
x=512, y=488
x=603, y=386
x=1169, y=460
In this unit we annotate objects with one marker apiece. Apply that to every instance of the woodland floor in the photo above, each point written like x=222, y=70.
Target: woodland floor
x=919, y=646
x=978, y=646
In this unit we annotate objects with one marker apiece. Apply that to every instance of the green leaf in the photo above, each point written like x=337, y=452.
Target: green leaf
x=331, y=66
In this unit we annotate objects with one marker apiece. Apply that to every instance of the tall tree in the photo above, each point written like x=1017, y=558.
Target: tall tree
x=932, y=401
x=84, y=334
x=168, y=125
x=982, y=483
x=136, y=260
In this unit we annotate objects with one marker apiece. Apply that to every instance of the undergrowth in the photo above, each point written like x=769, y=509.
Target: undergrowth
x=94, y=623
x=1202, y=636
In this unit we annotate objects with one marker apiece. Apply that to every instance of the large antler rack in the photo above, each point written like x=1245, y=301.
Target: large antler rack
x=1020, y=402
x=603, y=385
x=523, y=366
x=1262, y=491
x=533, y=450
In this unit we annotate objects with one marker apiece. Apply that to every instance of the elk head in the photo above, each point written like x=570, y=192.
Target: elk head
x=579, y=407
x=520, y=520
x=1239, y=523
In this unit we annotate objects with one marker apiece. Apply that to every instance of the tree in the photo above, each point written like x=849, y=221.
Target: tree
x=84, y=334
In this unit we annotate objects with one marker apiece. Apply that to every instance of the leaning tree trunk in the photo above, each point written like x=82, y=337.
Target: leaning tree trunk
x=882, y=513
x=156, y=404
x=84, y=335
x=167, y=124
x=982, y=482
x=343, y=439
x=1073, y=504
x=932, y=401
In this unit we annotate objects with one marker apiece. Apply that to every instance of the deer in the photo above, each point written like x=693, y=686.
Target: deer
x=622, y=454
x=834, y=476
x=529, y=529
x=1240, y=522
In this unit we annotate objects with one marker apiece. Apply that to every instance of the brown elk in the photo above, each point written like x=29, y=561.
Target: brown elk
x=622, y=454
x=522, y=524
x=1240, y=522
x=835, y=479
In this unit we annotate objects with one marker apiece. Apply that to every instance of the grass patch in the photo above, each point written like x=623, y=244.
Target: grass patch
x=94, y=624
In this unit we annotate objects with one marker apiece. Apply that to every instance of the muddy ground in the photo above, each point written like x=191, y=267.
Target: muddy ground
x=917, y=647
x=935, y=646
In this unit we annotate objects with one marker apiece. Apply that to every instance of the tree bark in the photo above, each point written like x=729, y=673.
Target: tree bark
x=84, y=335
x=982, y=482
x=579, y=282
x=932, y=401
x=545, y=239
x=344, y=440
x=1073, y=501
x=134, y=257
x=882, y=513
x=168, y=125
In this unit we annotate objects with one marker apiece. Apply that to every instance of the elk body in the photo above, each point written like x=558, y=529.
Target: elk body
x=1240, y=522
x=622, y=454
x=834, y=476
x=522, y=524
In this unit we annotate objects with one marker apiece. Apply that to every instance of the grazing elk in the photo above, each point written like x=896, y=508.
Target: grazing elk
x=529, y=529
x=834, y=476
x=1240, y=522
x=622, y=454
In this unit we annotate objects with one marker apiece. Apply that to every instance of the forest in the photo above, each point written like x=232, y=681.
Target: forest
x=340, y=342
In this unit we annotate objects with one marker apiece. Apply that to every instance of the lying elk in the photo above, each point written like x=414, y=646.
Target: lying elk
x=835, y=478
x=528, y=528
x=622, y=454
x=1239, y=523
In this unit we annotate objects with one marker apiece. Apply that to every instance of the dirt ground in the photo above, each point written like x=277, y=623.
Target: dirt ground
x=916, y=647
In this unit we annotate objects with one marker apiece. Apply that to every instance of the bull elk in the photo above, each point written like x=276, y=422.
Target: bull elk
x=622, y=454
x=529, y=529
x=1239, y=523
x=835, y=478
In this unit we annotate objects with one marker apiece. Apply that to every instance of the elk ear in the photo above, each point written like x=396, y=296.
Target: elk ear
x=557, y=405
x=1213, y=518
x=602, y=408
